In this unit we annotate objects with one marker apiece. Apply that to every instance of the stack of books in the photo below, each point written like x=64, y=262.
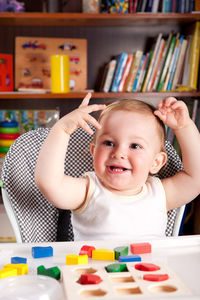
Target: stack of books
x=172, y=64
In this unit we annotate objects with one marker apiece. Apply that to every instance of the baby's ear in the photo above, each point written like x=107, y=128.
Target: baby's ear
x=159, y=161
x=92, y=146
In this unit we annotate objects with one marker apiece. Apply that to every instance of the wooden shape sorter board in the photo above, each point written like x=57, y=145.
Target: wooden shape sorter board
x=122, y=285
x=33, y=65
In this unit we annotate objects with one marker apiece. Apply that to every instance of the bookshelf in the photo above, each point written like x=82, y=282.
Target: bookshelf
x=107, y=35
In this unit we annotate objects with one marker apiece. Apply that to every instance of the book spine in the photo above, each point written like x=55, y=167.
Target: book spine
x=157, y=65
x=166, y=64
x=133, y=71
x=194, y=57
x=143, y=72
x=119, y=70
x=125, y=73
x=138, y=73
x=175, y=60
x=152, y=62
x=109, y=76
x=179, y=64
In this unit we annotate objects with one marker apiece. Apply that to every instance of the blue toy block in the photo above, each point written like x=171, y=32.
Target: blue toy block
x=39, y=252
x=18, y=260
x=129, y=258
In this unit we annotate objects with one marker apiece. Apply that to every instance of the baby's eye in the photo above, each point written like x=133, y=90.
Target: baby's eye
x=135, y=146
x=108, y=143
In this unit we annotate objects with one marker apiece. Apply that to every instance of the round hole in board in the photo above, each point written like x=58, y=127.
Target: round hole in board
x=163, y=289
x=85, y=270
x=129, y=291
x=117, y=279
x=91, y=293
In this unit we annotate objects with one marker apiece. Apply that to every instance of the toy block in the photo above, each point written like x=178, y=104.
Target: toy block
x=53, y=272
x=146, y=267
x=116, y=268
x=90, y=279
x=120, y=251
x=21, y=268
x=72, y=259
x=129, y=258
x=103, y=254
x=156, y=277
x=140, y=248
x=7, y=273
x=39, y=252
x=18, y=260
x=86, y=250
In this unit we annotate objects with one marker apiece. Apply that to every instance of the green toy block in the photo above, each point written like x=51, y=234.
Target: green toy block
x=116, y=268
x=53, y=272
x=120, y=251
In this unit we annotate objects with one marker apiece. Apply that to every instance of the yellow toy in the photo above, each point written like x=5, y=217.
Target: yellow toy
x=76, y=259
x=22, y=269
x=103, y=254
x=7, y=273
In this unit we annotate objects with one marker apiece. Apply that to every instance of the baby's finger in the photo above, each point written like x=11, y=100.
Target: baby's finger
x=86, y=100
x=170, y=101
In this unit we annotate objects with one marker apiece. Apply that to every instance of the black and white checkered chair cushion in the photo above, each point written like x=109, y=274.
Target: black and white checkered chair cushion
x=40, y=221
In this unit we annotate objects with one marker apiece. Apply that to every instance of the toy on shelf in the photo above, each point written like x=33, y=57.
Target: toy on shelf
x=9, y=131
x=11, y=6
x=6, y=72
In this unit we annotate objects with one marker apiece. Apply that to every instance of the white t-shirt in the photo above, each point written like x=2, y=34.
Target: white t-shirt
x=107, y=216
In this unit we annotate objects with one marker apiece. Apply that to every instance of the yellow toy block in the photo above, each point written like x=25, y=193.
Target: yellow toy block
x=21, y=268
x=76, y=259
x=7, y=273
x=103, y=254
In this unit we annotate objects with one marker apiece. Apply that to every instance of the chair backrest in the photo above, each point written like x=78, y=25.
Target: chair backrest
x=33, y=218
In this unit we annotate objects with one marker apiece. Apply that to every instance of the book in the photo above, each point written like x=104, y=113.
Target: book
x=166, y=63
x=155, y=6
x=179, y=64
x=110, y=71
x=135, y=84
x=185, y=71
x=133, y=71
x=164, y=88
x=152, y=62
x=143, y=71
x=126, y=72
x=194, y=57
x=162, y=60
x=157, y=64
x=174, y=63
x=121, y=62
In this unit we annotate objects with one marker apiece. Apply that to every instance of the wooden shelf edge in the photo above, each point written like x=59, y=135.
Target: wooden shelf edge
x=82, y=19
x=98, y=95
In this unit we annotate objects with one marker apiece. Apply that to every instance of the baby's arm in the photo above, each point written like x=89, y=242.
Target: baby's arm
x=185, y=185
x=61, y=190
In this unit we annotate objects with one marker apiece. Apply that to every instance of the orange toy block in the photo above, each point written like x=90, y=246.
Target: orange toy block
x=140, y=248
x=7, y=272
x=21, y=268
x=72, y=259
x=86, y=250
x=103, y=254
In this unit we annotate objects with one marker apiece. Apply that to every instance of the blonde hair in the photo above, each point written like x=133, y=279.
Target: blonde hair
x=134, y=105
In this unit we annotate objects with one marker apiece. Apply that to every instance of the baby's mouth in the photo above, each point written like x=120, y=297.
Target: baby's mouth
x=117, y=169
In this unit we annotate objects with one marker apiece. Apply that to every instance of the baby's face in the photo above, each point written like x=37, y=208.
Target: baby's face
x=126, y=151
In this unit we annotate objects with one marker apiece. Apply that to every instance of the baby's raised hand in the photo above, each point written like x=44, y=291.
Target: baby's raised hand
x=173, y=113
x=80, y=117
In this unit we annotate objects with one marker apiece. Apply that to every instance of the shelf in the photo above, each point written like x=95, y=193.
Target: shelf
x=81, y=19
x=98, y=95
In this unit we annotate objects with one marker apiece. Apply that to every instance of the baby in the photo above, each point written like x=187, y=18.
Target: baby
x=122, y=199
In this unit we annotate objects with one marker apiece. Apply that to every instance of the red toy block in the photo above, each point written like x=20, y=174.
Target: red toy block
x=156, y=277
x=140, y=248
x=86, y=250
x=90, y=279
x=146, y=267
